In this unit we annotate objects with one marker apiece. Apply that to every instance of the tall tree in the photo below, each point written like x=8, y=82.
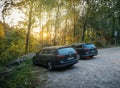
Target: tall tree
x=29, y=27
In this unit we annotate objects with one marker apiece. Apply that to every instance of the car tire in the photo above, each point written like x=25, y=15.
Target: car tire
x=91, y=56
x=50, y=67
x=71, y=65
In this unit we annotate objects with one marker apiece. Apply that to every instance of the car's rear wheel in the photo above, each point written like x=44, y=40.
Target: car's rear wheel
x=50, y=67
x=91, y=56
x=71, y=65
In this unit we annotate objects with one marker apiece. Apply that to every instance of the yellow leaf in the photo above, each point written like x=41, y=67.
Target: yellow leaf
x=1, y=30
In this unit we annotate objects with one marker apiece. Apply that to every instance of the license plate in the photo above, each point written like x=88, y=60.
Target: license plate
x=70, y=58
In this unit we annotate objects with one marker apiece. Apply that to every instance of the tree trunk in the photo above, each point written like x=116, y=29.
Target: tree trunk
x=65, y=32
x=84, y=29
x=85, y=24
x=74, y=33
x=28, y=33
x=56, y=25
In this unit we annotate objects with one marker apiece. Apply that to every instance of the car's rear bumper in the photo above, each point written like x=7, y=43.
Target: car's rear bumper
x=91, y=54
x=66, y=63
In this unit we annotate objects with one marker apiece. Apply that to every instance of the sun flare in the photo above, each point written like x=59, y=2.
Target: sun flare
x=44, y=35
x=15, y=17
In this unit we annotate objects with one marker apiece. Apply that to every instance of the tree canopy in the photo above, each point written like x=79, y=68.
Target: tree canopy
x=57, y=22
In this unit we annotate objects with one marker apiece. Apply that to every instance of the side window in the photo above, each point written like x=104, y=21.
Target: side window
x=52, y=51
x=79, y=46
x=47, y=51
x=73, y=46
x=42, y=52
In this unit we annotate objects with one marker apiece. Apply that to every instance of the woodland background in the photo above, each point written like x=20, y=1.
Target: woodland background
x=56, y=22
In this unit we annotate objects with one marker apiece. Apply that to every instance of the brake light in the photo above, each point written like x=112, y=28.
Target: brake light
x=76, y=53
x=60, y=56
x=86, y=50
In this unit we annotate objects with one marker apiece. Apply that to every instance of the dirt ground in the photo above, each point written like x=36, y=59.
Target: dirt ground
x=101, y=71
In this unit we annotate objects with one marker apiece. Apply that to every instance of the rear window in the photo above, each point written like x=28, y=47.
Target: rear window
x=64, y=51
x=89, y=46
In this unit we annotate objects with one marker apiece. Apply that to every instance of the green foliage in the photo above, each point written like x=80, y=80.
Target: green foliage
x=75, y=17
x=34, y=45
x=69, y=21
x=19, y=77
x=12, y=46
x=23, y=76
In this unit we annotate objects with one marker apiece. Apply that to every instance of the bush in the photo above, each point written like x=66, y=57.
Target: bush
x=24, y=75
x=19, y=77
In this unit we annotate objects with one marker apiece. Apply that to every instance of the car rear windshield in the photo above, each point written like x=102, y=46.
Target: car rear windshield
x=64, y=51
x=89, y=46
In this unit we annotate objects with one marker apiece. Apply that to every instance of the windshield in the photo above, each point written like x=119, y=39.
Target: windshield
x=89, y=46
x=64, y=51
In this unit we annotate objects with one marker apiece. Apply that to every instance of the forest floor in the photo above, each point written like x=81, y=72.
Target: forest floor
x=101, y=71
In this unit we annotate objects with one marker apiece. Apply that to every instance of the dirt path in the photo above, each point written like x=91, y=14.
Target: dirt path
x=103, y=71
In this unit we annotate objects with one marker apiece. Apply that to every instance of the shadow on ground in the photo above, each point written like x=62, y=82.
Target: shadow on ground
x=88, y=58
x=68, y=67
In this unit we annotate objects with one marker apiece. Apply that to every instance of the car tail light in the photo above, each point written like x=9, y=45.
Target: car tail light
x=76, y=53
x=60, y=56
x=86, y=50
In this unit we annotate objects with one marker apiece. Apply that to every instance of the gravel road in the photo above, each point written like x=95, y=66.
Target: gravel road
x=102, y=71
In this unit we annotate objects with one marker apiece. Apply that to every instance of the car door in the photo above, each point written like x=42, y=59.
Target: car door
x=52, y=55
x=46, y=56
x=49, y=56
x=41, y=57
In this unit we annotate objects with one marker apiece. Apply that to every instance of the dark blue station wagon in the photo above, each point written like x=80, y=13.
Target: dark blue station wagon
x=85, y=49
x=56, y=56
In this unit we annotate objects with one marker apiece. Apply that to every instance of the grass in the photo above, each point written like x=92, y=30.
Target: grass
x=26, y=75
